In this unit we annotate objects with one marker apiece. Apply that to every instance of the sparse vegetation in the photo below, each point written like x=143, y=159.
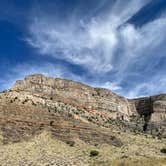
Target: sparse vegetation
x=57, y=132
x=70, y=143
x=15, y=98
x=33, y=103
x=163, y=150
x=94, y=153
x=90, y=119
x=51, y=123
x=70, y=115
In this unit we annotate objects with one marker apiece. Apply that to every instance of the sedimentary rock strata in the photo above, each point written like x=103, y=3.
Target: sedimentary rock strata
x=70, y=109
x=97, y=100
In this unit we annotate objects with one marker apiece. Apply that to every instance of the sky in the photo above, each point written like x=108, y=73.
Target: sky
x=114, y=44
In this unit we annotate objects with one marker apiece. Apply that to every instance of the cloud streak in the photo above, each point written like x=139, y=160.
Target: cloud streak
x=108, y=46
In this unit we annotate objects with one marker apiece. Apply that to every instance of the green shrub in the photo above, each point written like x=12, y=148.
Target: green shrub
x=94, y=153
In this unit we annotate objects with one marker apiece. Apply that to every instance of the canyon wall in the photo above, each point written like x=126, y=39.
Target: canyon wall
x=152, y=111
x=87, y=104
x=95, y=100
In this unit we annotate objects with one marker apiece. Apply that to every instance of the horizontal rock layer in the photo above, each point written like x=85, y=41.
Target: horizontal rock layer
x=83, y=103
x=95, y=100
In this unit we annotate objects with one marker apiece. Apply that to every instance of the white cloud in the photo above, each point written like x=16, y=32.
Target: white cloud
x=91, y=44
x=94, y=44
x=110, y=85
x=157, y=85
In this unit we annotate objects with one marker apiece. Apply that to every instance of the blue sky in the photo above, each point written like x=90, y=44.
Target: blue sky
x=115, y=44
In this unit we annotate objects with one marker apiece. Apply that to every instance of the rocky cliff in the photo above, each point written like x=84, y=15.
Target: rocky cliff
x=95, y=101
x=152, y=110
x=72, y=110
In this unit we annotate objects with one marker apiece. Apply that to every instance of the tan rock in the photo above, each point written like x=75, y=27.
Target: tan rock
x=92, y=99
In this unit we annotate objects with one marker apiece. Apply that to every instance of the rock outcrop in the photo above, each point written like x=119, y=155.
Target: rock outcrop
x=40, y=103
x=71, y=110
x=152, y=110
x=92, y=100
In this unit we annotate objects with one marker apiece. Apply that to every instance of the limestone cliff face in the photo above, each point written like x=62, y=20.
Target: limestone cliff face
x=86, y=104
x=159, y=108
x=94, y=100
x=151, y=114
x=154, y=107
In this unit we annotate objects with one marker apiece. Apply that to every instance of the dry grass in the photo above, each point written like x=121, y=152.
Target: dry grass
x=43, y=150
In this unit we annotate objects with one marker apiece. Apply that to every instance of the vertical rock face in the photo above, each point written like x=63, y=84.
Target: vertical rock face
x=97, y=100
x=154, y=107
x=159, y=108
x=153, y=111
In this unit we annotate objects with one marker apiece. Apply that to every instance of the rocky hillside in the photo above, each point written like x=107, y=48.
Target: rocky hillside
x=77, y=117
x=38, y=96
x=85, y=98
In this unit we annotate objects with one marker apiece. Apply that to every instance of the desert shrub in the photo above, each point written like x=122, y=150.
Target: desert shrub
x=90, y=119
x=96, y=144
x=70, y=143
x=51, y=123
x=33, y=103
x=163, y=150
x=94, y=153
x=70, y=115
x=25, y=101
x=77, y=113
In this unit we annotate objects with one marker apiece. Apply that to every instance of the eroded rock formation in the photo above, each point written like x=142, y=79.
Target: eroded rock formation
x=71, y=110
x=153, y=112
x=92, y=100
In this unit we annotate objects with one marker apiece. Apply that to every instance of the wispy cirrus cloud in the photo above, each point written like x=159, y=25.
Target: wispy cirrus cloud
x=91, y=44
x=148, y=88
x=107, y=46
